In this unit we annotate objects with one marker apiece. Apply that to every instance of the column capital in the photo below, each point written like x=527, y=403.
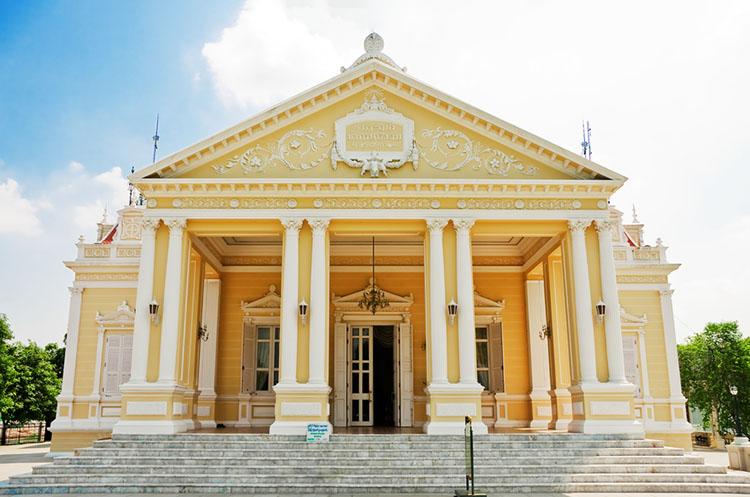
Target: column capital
x=176, y=225
x=436, y=225
x=605, y=226
x=74, y=290
x=150, y=224
x=578, y=225
x=319, y=225
x=666, y=293
x=292, y=224
x=463, y=225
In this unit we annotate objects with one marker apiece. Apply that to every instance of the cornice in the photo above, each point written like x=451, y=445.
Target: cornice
x=375, y=72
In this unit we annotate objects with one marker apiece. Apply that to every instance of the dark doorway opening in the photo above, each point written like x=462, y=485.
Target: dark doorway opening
x=383, y=385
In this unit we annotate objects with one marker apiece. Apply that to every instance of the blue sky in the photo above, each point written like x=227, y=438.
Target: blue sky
x=664, y=85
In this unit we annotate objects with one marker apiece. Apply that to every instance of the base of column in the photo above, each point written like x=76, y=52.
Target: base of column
x=448, y=406
x=563, y=407
x=159, y=427
x=453, y=428
x=606, y=426
x=600, y=408
x=541, y=409
x=293, y=427
x=297, y=405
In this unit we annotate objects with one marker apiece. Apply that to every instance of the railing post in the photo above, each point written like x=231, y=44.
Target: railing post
x=469, y=456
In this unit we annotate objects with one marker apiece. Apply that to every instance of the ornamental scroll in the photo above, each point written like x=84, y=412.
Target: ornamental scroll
x=297, y=149
x=452, y=150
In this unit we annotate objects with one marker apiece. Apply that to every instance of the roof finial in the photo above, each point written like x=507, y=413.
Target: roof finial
x=374, y=43
x=104, y=217
x=635, y=216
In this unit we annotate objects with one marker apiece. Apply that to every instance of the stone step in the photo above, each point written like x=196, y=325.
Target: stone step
x=403, y=460
x=481, y=470
x=386, y=444
x=336, y=478
x=333, y=451
x=384, y=488
x=365, y=437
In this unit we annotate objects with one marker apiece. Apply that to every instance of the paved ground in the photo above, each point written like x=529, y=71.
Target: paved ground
x=19, y=459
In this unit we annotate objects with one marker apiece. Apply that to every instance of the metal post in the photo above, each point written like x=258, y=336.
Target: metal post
x=738, y=421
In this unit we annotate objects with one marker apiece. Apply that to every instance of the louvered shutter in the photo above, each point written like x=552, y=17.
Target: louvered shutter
x=630, y=356
x=248, y=358
x=497, y=375
x=126, y=358
x=112, y=366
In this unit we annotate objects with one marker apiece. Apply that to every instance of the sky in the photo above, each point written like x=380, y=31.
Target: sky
x=663, y=84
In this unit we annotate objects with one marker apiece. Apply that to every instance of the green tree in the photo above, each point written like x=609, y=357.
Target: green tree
x=7, y=369
x=36, y=384
x=711, y=362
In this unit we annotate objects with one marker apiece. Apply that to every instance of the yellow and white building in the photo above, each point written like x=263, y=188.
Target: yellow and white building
x=231, y=297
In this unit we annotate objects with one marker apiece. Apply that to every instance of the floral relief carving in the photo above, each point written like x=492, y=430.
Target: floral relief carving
x=532, y=204
x=297, y=149
x=452, y=150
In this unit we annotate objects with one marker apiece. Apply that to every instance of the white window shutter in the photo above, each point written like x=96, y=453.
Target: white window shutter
x=630, y=356
x=126, y=359
x=112, y=365
x=248, y=358
x=497, y=374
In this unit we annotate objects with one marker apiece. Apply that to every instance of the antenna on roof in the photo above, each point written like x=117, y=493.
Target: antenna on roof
x=586, y=143
x=156, y=138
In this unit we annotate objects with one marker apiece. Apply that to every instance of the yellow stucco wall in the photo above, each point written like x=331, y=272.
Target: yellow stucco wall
x=93, y=300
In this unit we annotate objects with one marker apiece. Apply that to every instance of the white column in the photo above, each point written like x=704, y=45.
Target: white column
x=438, y=325
x=467, y=354
x=71, y=342
x=171, y=305
x=95, y=390
x=584, y=311
x=670, y=342
x=207, y=374
x=318, y=301
x=643, y=363
x=612, y=330
x=289, y=294
x=142, y=324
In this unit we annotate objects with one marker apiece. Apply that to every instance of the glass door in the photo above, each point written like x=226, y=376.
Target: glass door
x=360, y=385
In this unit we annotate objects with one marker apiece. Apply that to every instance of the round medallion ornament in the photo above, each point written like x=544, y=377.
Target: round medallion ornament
x=234, y=203
x=602, y=204
x=576, y=204
x=374, y=43
x=519, y=204
x=435, y=204
x=377, y=203
x=151, y=202
x=461, y=204
x=318, y=203
x=292, y=203
x=177, y=203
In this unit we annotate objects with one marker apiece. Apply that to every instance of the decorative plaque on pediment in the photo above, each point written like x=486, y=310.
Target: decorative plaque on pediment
x=374, y=138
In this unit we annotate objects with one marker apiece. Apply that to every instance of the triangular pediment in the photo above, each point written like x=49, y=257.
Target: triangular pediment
x=373, y=118
x=122, y=317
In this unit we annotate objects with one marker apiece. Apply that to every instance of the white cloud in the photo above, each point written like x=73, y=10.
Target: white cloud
x=75, y=166
x=274, y=50
x=18, y=213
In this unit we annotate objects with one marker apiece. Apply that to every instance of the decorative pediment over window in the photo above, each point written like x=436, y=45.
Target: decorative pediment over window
x=346, y=308
x=628, y=322
x=487, y=311
x=123, y=317
x=265, y=307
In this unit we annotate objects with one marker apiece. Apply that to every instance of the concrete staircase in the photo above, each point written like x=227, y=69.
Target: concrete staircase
x=353, y=464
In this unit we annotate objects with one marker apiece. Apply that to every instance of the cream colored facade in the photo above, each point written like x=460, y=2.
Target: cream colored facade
x=239, y=229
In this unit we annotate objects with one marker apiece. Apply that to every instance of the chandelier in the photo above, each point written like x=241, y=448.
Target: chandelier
x=373, y=298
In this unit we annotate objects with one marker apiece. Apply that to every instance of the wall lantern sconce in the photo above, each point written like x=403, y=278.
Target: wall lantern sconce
x=601, y=310
x=153, y=311
x=303, y=307
x=452, y=310
x=545, y=333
